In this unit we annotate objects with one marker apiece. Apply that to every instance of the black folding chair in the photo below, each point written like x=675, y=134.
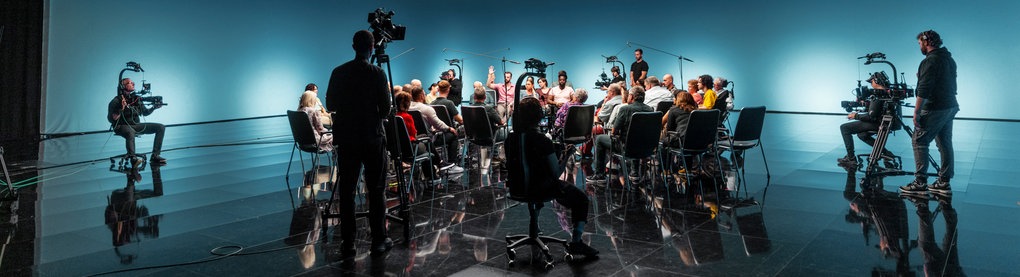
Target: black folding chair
x=699, y=138
x=747, y=135
x=304, y=140
x=576, y=129
x=640, y=141
x=478, y=131
x=663, y=106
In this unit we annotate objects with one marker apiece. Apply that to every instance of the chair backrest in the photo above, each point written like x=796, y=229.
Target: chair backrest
x=643, y=135
x=443, y=114
x=519, y=182
x=477, y=128
x=397, y=136
x=577, y=127
x=749, y=124
x=663, y=106
x=701, y=130
x=301, y=129
x=419, y=123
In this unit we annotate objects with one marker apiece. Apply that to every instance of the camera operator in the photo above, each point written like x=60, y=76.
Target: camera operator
x=864, y=124
x=124, y=114
x=934, y=113
x=615, y=70
x=456, y=86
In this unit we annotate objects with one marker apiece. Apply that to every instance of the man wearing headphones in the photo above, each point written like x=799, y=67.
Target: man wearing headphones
x=867, y=122
x=124, y=114
x=934, y=113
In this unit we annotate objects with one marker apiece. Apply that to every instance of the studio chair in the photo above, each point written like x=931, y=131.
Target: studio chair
x=444, y=116
x=699, y=138
x=745, y=136
x=304, y=140
x=425, y=133
x=640, y=142
x=519, y=188
x=663, y=106
x=478, y=131
x=577, y=129
x=408, y=153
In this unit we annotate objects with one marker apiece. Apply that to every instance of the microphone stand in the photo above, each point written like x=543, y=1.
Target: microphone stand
x=680, y=59
x=504, y=60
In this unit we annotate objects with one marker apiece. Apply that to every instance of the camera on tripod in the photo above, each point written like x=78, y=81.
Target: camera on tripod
x=538, y=65
x=383, y=28
x=886, y=91
x=603, y=81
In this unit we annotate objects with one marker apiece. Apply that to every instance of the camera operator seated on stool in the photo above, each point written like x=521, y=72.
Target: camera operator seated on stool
x=528, y=150
x=866, y=124
x=124, y=114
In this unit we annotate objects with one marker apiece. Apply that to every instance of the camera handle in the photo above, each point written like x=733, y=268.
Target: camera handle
x=880, y=140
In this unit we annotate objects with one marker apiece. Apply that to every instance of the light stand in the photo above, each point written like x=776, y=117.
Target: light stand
x=680, y=59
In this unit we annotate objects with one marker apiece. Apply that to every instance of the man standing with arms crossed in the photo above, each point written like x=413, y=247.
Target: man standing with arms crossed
x=360, y=141
x=933, y=115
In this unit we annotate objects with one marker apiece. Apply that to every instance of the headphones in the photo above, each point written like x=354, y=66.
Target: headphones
x=931, y=37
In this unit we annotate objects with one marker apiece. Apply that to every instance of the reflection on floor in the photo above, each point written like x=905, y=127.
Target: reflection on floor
x=221, y=206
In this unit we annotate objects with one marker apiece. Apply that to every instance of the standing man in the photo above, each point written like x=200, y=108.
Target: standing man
x=360, y=141
x=638, y=69
x=504, y=92
x=933, y=116
x=124, y=113
x=456, y=86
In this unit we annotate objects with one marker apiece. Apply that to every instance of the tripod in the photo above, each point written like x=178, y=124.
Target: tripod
x=881, y=138
x=11, y=194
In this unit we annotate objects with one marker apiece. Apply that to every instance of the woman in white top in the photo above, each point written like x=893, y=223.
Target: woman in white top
x=310, y=105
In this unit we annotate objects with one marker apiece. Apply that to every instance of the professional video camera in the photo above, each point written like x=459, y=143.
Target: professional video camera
x=151, y=99
x=603, y=81
x=383, y=28
x=891, y=92
x=536, y=64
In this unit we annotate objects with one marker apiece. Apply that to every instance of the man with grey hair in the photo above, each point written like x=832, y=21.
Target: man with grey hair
x=723, y=95
x=654, y=93
x=614, y=97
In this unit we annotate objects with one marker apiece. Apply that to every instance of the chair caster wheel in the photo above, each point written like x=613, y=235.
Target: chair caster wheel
x=510, y=263
x=568, y=257
x=549, y=264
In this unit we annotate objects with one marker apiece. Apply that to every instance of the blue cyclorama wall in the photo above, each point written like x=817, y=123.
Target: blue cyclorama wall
x=221, y=59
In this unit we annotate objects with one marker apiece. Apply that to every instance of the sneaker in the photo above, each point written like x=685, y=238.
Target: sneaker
x=917, y=186
x=940, y=187
x=157, y=160
x=944, y=199
x=136, y=162
x=596, y=178
x=579, y=248
x=849, y=160
x=454, y=169
x=890, y=161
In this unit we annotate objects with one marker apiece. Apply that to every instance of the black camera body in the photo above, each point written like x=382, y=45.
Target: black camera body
x=151, y=99
x=603, y=81
x=865, y=94
x=536, y=64
x=383, y=28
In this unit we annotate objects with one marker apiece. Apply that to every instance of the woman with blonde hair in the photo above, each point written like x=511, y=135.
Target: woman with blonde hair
x=309, y=104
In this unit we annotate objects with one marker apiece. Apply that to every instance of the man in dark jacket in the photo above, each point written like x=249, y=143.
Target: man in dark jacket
x=360, y=141
x=124, y=113
x=933, y=116
x=865, y=123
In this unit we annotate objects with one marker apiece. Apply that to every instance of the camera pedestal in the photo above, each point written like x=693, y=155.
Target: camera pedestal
x=880, y=140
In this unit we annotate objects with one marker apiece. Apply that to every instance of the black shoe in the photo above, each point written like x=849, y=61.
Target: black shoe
x=941, y=187
x=890, y=161
x=136, y=162
x=944, y=199
x=599, y=177
x=917, y=186
x=381, y=247
x=848, y=161
x=157, y=160
x=579, y=248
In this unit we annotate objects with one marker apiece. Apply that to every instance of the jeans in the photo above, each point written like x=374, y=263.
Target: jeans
x=371, y=155
x=938, y=126
x=862, y=129
x=128, y=131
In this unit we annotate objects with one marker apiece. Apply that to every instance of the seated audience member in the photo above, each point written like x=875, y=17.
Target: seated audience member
x=723, y=95
x=403, y=103
x=620, y=125
x=705, y=89
x=451, y=108
x=496, y=123
x=530, y=151
x=654, y=93
x=676, y=118
x=614, y=96
x=692, y=88
x=308, y=105
x=324, y=116
x=443, y=134
x=578, y=97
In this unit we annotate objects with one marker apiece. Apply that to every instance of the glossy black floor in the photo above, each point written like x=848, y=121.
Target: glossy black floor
x=224, y=191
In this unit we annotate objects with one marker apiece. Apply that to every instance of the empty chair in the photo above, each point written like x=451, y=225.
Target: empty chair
x=745, y=136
